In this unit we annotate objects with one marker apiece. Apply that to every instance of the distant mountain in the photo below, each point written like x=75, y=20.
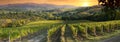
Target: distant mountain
x=34, y=6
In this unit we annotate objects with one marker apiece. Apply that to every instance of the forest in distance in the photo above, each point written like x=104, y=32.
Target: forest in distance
x=31, y=22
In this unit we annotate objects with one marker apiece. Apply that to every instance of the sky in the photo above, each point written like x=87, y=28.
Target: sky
x=56, y=2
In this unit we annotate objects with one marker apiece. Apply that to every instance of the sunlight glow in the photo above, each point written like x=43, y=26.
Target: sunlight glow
x=80, y=3
x=85, y=4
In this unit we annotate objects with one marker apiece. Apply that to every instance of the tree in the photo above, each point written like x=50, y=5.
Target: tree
x=109, y=3
x=110, y=7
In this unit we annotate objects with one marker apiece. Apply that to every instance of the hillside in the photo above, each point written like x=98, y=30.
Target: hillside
x=34, y=6
x=73, y=13
x=56, y=12
x=30, y=22
x=80, y=13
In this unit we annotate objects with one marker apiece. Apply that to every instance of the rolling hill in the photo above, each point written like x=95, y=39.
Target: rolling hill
x=34, y=6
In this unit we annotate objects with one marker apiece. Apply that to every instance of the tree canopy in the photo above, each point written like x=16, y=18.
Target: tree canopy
x=109, y=3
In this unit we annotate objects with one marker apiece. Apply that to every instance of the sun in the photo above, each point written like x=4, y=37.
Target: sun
x=85, y=4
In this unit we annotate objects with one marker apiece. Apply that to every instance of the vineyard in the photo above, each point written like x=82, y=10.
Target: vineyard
x=58, y=21
x=26, y=32
x=61, y=31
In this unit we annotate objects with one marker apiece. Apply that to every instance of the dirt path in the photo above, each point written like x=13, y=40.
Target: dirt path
x=113, y=39
x=41, y=37
x=68, y=35
x=38, y=38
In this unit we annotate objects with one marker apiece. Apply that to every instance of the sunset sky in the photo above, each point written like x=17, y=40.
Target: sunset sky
x=57, y=2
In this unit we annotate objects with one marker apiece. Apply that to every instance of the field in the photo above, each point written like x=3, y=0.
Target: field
x=61, y=31
x=58, y=21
